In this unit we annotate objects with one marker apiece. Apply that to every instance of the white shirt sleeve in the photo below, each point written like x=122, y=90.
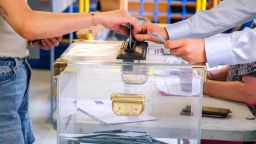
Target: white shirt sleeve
x=235, y=48
x=226, y=15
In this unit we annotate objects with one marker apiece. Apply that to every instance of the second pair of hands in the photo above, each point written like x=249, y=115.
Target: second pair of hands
x=189, y=49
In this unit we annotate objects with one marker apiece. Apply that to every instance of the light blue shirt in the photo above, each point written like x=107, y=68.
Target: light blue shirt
x=235, y=48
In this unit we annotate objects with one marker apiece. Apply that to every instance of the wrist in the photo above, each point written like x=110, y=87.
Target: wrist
x=158, y=29
x=97, y=18
x=164, y=34
x=210, y=75
x=205, y=87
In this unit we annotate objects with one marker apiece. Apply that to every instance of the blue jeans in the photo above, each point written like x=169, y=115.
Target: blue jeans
x=15, y=122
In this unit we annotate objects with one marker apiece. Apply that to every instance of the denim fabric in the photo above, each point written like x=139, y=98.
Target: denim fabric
x=15, y=123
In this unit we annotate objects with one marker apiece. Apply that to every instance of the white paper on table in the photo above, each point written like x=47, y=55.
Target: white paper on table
x=101, y=111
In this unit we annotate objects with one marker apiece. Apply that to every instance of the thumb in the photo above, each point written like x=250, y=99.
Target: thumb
x=139, y=37
x=173, y=44
x=142, y=37
x=146, y=37
x=122, y=29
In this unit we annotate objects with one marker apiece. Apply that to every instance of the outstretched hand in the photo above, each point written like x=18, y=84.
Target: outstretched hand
x=146, y=29
x=116, y=20
x=191, y=50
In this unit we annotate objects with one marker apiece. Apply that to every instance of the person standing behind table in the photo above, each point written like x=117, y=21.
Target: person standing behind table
x=19, y=24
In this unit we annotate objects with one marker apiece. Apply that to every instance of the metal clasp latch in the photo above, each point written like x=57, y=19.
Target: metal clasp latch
x=128, y=104
x=59, y=66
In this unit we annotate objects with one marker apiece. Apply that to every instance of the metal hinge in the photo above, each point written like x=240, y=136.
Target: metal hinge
x=128, y=104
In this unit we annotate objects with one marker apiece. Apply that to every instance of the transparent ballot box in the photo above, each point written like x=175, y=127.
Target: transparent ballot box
x=105, y=100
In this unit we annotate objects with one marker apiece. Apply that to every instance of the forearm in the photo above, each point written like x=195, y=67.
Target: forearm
x=39, y=25
x=218, y=74
x=229, y=49
x=45, y=25
x=234, y=91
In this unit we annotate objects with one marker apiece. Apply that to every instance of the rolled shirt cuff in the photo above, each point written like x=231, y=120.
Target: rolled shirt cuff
x=219, y=50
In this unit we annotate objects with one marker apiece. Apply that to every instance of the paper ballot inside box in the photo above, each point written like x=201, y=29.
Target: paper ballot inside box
x=101, y=111
x=176, y=88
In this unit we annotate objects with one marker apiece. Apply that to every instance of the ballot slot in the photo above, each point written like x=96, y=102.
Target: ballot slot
x=138, y=52
x=132, y=50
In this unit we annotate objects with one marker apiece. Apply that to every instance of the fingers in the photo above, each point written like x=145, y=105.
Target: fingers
x=59, y=38
x=140, y=30
x=115, y=20
x=177, y=52
x=143, y=29
x=147, y=37
x=47, y=44
x=173, y=44
x=140, y=37
x=54, y=42
x=151, y=32
x=42, y=44
x=131, y=20
x=142, y=34
x=122, y=29
x=177, y=48
x=135, y=24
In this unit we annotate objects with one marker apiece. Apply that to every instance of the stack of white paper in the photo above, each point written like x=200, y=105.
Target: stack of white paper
x=101, y=111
